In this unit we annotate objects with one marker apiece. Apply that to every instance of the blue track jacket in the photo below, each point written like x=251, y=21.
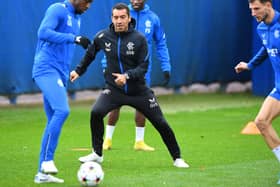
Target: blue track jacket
x=56, y=36
x=270, y=36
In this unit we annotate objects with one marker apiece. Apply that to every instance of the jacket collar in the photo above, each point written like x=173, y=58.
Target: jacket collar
x=275, y=19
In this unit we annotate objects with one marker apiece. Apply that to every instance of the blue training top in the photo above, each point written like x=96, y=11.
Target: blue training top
x=270, y=36
x=56, y=36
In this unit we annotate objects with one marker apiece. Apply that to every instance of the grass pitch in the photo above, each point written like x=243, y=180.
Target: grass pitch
x=207, y=127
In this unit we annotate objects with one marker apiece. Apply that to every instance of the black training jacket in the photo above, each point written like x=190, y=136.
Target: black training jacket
x=125, y=52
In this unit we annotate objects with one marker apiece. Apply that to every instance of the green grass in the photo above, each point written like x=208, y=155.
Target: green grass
x=207, y=128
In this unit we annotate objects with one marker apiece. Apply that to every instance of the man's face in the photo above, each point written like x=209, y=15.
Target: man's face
x=137, y=4
x=81, y=6
x=120, y=19
x=259, y=10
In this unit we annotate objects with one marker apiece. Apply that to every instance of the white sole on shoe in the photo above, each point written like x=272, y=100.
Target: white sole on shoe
x=180, y=163
x=46, y=178
x=91, y=157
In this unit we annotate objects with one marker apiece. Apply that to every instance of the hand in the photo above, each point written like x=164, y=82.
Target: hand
x=73, y=76
x=241, y=67
x=166, y=75
x=82, y=41
x=120, y=79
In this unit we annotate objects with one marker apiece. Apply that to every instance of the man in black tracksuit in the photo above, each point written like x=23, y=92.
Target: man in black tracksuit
x=127, y=62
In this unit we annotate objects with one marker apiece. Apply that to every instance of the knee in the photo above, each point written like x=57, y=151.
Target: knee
x=161, y=124
x=114, y=115
x=63, y=113
x=95, y=113
x=262, y=124
x=58, y=119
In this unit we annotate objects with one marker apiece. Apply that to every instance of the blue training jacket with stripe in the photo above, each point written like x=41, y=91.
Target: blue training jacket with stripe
x=56, y=37
x=148, y=23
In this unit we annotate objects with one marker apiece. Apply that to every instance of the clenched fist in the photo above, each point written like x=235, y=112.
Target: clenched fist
x=241, y=67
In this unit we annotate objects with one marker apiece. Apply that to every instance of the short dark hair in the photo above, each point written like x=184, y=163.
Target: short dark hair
x=121, y=6
x=261, y=1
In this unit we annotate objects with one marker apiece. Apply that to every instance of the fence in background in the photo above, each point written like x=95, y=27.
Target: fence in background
x=206, y=39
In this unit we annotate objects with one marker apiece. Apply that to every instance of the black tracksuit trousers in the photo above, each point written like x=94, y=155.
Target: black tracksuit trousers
x=144, y=102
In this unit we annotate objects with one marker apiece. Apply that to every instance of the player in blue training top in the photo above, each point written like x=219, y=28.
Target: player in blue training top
x=269, y=32
x=148, y=23
x=57, y=34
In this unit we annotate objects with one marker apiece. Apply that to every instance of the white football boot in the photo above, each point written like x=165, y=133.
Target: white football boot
x=180, y=163
x=48, y=167
x=46, y=178
x=91, y=157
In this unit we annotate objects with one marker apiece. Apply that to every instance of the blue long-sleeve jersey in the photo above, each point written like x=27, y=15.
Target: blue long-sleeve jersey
x=270, y=36
x=56, y=36
x=148, y=23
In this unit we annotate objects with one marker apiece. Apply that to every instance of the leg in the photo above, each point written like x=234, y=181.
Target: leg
x=57, y=109
x=113, y=117
x=140, y=145
x=149, y=106
x=13, y=99
x=103, y=105
x=139, y=119
x=49, y=113
x=72, y=95
x=269, y=111
x=43, y=177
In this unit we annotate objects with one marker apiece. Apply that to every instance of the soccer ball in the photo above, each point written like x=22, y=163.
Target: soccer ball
x=90, y=174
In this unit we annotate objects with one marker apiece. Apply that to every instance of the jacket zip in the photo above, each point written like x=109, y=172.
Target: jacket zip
x=119, y=61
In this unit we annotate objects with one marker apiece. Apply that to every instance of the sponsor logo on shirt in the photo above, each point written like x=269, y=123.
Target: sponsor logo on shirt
x=272, y=52
x=130, y=48
x=148, y=25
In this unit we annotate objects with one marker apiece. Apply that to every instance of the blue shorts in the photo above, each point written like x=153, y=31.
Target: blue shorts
x=275, y=94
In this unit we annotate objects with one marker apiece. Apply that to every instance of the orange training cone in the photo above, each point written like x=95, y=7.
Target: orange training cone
x=250, y=128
